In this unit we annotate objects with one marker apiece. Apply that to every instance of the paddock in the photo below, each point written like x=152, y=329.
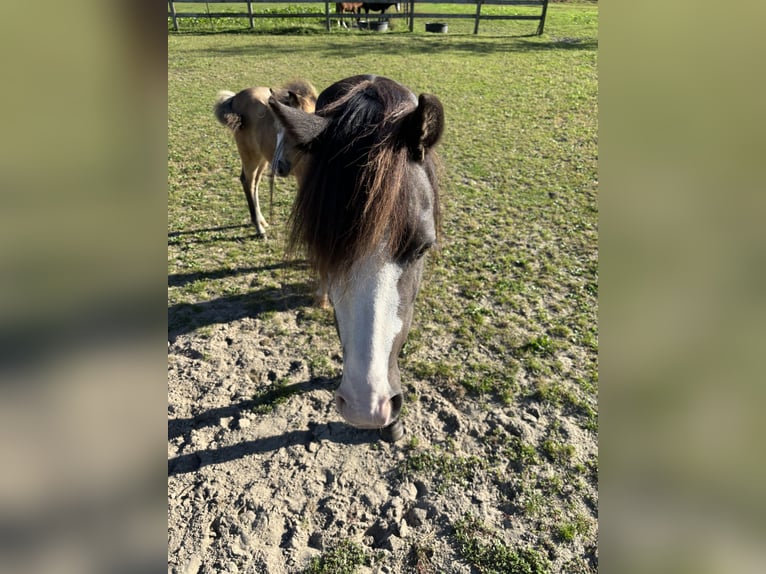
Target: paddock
x=409, y=11
x=498, y=467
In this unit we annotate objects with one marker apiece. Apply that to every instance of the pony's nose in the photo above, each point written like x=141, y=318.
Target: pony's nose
x=381, y=414
x=283, y=168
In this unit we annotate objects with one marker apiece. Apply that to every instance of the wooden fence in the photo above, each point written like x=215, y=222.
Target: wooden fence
x=407, y=11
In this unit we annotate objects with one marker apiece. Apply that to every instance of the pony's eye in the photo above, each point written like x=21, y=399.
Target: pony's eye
x=422, y=250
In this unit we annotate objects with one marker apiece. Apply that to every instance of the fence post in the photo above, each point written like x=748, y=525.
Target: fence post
x=250, y=14
x=327, y=15
x=478, y=15
x=172, y=7
x=412, y=14
x=541, y=26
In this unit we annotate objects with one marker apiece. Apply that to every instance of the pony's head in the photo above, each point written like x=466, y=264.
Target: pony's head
x=297, y=94
x=301, y=95
x=366, y=212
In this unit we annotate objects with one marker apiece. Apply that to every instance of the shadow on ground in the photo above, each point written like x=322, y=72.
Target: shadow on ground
x=336, y=432
x=186, y=317
x=335, y=46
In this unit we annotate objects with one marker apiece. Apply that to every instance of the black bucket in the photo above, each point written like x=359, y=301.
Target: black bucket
x=438, y=27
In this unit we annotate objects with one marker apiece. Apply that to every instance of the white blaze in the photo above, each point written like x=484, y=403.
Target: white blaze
x=367, y=311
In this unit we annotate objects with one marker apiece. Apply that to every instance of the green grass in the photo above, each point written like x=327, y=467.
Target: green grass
x=483, y=549
x=507, y=313
x=344, y=559
x=508, y=448
x=267, y=400
x=557, y=452
x=542, y=345
x=567, y=530
x=445, y=468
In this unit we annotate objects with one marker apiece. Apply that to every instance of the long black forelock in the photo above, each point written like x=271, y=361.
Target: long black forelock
x=356, y=196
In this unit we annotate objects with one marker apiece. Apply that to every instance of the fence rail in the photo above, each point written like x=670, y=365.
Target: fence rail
x=407, y=13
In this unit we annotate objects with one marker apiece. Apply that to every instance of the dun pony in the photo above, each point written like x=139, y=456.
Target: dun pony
x=248, y=115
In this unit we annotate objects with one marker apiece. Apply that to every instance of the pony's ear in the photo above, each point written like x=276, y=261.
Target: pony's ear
x=302, y=126
x=423, y=127
x=293, y=100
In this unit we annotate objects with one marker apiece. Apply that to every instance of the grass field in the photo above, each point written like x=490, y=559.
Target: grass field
x=507, y=316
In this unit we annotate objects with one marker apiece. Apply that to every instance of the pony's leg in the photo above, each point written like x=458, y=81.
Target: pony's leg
x=321, y=299
x=258, y=219
x=248, y=189
x=250, y=179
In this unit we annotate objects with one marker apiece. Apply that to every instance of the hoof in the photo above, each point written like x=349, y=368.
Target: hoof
x=260, y=225
x=392, y=432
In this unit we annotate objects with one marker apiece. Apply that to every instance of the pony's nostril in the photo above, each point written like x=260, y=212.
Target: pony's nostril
x=340, y=403
x=396, y=405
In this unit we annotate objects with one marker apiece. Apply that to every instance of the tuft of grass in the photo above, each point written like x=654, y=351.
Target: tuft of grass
x=535, y=503
x=495, y=557
x=542, y=346
x=320, y=365
x=444, y=468
x=278, y=394
x=556, y=451
x=344, y=559
x=486, y=380
x=566, y=531
x=507, y=447
x=555, y=393
x=436, y=370
x=535, y=366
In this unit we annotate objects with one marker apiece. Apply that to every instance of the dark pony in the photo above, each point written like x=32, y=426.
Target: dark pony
x=378, y=7
x=366, y=212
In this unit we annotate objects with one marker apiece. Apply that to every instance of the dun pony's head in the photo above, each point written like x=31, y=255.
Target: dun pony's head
x=298, y=94
x=301, y=95
x=366, y=212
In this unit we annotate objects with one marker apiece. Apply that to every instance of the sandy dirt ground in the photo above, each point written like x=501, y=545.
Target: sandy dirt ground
x=266, y=488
